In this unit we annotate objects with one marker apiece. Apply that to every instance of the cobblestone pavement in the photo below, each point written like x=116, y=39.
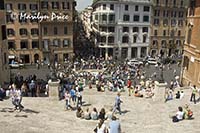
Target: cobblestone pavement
x=42, y=115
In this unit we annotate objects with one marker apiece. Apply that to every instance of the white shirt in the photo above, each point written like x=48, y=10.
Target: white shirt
x=179, y=115
x=102, y=129
x=181, y=95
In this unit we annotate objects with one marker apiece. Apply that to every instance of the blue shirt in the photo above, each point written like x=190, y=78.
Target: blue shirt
x=114, y=127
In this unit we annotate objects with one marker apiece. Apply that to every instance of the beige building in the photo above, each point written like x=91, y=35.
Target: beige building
x=191, y=57
x=4, y=69
x=168, y=27
x=39, y=30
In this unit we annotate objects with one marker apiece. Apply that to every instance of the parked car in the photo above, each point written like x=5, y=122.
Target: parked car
x=16, y=65
x=134, y=62
x=152, y=61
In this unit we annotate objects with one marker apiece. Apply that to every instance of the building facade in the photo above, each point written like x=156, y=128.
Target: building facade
x=122, y=27
x=168, y=27
x=191, y=57
x=39, y=30
x=4, y=69
x=86, y=18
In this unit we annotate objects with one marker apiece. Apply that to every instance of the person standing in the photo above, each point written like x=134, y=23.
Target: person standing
x=129, y=84
x=32, y=87
x=193, y=95
x=67, y=99
x=79, y=96
x=114, y=125
x=117, y=105
x=19, y=99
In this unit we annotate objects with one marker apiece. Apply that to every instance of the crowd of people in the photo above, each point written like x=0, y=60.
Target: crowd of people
x=108, y=76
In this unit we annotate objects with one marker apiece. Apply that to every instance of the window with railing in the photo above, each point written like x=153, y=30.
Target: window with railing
x=111, y=39
x=126, y=29
x=135, y=29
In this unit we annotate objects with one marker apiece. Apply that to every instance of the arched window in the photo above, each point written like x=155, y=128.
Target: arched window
x=144, y=38
x=125, y=39
x=135, y=38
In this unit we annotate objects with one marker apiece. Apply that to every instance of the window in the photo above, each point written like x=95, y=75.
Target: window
x=135, y=29
x=66, y=5
x=104, y=17
x=192, y=7
x=155, y=32
x=189, y=36
x=136, y=8
x=65, y=56
x=34, y=31
x=23, y=32
x=125, y=29
x=111, y=17
x=11, y=44
x=144, y=38
x=96, y=17
x=22, y=6
x=174, y=3
x=145, y=29
x=35, y=44
x=45, y=31
x=181, y=3
x=173, y=22
x=134, y=38
x=111, y=39
x=136, y=18
x=24, y=44
x=56, y=42
x=157, y=2
x=46, y=44
x=103, y=39
x=155, y=43
x=156, y=22
x=111, y=29
x=55, y=5
x=163, y=43
x=104, y=6
x=186, y=62
x=166, y=2
x=55, y=31
x=164, y=32
x=65, y=30
x=180, y=14
x=111, y=7
x=125, y=39
x=33, y=7
x=165, y=22
x=126, y=17
x=10, y=32
x=126, y=7
x=103, y=29
x=157, y=13
x=9, y=7
x=180, y=23
x=179, y=32
x=44, y=4
x=8, y=18
x=146, y=8
x=66, y=43
x=145, y=18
